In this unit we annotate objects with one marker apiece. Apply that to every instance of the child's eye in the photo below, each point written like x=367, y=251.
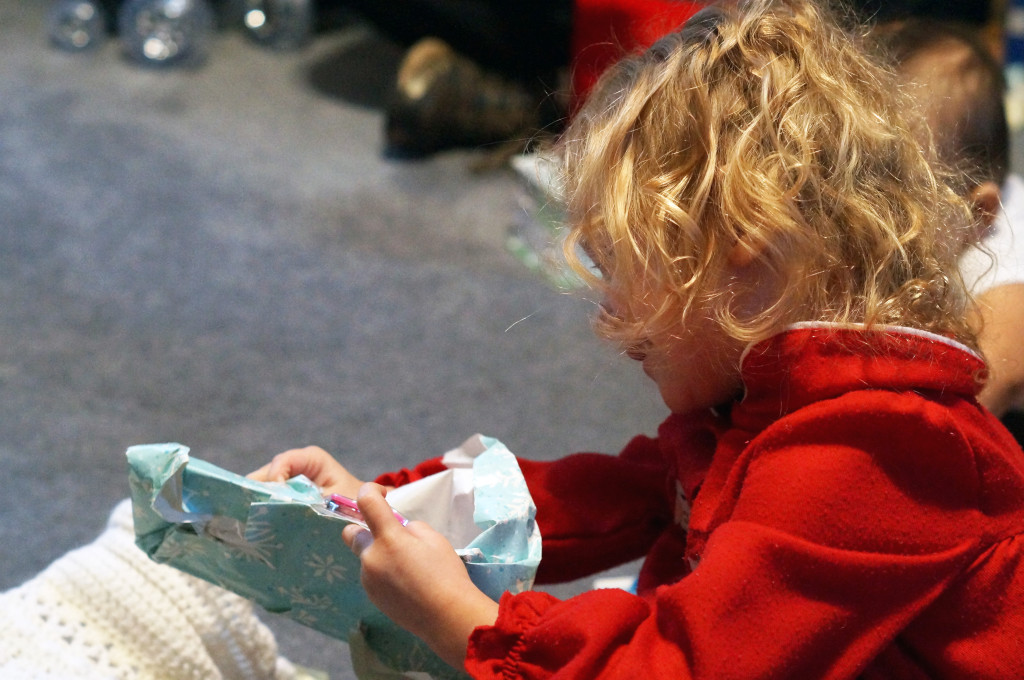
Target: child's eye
x=608, y=310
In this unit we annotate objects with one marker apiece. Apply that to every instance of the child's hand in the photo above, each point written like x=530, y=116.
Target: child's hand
x=414, y=576
x=312, y=461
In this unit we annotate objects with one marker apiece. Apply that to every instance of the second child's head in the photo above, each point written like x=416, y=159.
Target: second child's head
x=756, y=169
x=959, y=88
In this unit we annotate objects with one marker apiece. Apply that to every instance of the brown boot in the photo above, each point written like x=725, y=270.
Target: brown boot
x=442, y=100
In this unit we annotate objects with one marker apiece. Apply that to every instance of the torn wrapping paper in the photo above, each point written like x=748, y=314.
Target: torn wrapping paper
x=279, y=546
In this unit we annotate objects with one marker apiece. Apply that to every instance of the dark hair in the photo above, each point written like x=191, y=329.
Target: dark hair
x=976, y=12
x=962, y=103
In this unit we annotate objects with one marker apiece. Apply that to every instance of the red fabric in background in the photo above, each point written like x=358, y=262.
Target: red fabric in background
x=604, y=31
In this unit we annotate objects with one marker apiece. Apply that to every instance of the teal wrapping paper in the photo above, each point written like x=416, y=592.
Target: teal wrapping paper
x=278, y=545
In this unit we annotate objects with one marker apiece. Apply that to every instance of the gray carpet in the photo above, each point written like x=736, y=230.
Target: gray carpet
x=222, y=257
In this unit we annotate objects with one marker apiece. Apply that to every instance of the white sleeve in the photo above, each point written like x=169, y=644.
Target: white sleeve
x=1004, y=262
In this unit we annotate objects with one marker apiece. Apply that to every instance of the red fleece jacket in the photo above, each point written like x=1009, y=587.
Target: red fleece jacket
x=857, y=515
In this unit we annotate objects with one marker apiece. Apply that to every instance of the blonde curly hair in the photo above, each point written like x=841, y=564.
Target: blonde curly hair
x=763, y=123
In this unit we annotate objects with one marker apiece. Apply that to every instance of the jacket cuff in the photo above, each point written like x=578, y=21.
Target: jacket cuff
x=495, y=651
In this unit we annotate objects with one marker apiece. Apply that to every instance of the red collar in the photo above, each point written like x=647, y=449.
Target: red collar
x=808, y=363
x=813, y=362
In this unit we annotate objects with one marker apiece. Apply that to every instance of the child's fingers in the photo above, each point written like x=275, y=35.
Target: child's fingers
x=279, y=469
x=376, y=511
x=260, y=475
x=311, y=461
x=356, y=538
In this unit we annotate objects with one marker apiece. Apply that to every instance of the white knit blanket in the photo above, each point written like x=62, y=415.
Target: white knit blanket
x=106, y=611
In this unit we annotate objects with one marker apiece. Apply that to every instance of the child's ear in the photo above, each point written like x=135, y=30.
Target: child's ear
x=985, y=202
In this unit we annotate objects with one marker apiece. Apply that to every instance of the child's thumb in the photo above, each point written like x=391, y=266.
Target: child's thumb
x=376, y=511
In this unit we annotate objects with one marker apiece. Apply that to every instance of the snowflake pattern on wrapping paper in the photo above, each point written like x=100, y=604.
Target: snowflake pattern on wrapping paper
x=521, y=585
x=260, y=544
x=145, y=484
x=326, y=568
x=257, y=539
x=418, y=658
x=506, y=482
x=301, y=600
x=308, y=618
x=185, y=547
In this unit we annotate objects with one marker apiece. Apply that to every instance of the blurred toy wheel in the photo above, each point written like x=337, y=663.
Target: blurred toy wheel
x=166, y=32
x=76, y=25
x=280, y=24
